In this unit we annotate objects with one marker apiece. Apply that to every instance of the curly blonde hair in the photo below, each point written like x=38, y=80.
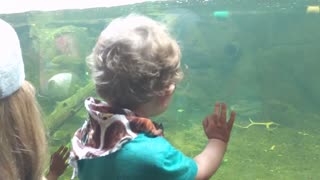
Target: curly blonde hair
x=134, y=60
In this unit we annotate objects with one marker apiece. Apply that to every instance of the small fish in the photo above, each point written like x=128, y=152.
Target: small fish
x=180, y=110
x=303, y=133
x=272, y=147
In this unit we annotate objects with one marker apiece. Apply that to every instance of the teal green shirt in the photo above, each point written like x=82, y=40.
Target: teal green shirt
x=144, y=157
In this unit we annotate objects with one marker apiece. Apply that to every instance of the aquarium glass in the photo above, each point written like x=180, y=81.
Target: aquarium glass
x=261, y=57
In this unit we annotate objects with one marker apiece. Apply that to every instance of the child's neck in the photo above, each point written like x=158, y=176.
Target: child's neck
x=147, y=110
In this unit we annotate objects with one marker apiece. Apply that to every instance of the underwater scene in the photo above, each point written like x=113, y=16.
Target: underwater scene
x=260, y=57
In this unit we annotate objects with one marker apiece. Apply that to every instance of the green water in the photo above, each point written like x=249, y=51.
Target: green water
x=262, y=60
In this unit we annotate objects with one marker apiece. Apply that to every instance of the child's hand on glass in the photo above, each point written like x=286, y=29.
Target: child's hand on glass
x=216, y=126
x=58, y=163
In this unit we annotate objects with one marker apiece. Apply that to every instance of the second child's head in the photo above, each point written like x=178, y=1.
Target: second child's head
x=136, y=65
x=22, y=136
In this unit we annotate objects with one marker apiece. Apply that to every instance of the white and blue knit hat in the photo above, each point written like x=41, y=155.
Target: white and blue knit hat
x=11, y=64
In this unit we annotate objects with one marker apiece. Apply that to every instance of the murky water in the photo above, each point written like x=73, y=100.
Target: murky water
x=261, y=58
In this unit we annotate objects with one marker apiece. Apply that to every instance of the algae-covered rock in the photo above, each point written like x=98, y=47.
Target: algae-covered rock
x=66, y=60
x=67, y=108
x=68, y=63
x=59, y=49
x=62, y=85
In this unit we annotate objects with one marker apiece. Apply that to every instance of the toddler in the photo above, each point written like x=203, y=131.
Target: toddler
x=135, y=66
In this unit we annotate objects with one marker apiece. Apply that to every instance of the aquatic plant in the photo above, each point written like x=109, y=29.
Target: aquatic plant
x=270, y=125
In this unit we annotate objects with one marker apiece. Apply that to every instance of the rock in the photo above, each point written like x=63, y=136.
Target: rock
x=60, y=85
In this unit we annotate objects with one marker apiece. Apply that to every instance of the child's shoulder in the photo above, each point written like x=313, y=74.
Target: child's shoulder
x=149, y=145
x=149, y=141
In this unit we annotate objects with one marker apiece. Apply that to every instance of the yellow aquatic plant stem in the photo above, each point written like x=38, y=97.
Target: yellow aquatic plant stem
x=266, y=124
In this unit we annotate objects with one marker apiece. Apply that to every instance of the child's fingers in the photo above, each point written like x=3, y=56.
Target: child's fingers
x=223, y=113
x=60, y=149
x=216, y=108
x=64, y=150
x=231, y=120
x=66, y=156
x=205, y=123
x=213, y=118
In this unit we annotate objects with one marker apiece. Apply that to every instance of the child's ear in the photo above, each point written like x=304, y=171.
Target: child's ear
x=165, y=98
x=170, y=89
